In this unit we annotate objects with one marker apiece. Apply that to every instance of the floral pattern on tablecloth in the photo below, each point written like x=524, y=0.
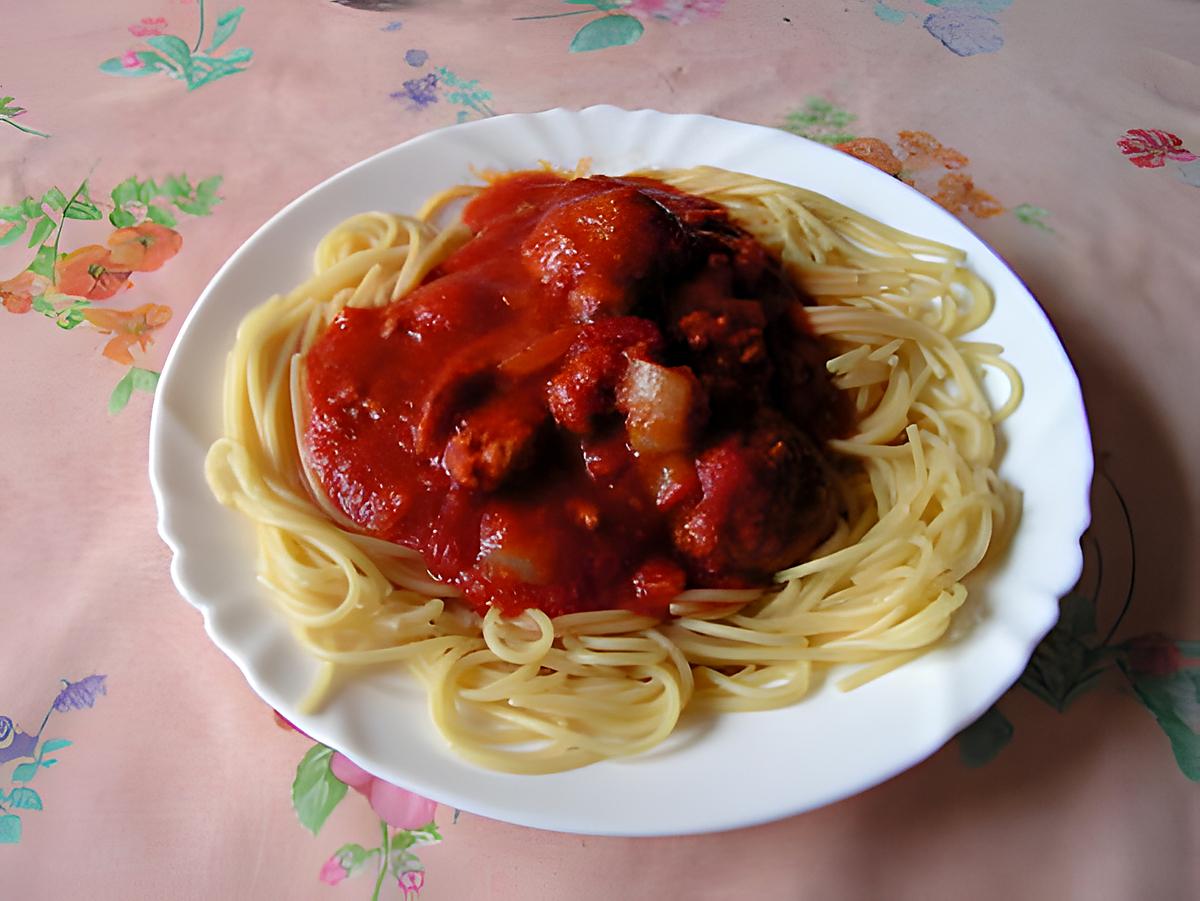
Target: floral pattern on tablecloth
x=915, y=157
x=1153, y=148
x=1163, y=672
x=438, y=85
x=71, y=287
x=406, y=820
x=617, y=23
x=964, y=27
x=173, y=56
x=34, y=754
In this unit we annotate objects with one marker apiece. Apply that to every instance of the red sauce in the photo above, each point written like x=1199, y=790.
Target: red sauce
x=608, y=394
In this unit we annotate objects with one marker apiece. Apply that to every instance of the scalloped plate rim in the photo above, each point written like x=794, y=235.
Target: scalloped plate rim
x=636, y=823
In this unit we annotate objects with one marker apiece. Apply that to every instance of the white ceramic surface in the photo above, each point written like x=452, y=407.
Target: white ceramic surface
x=730, y=771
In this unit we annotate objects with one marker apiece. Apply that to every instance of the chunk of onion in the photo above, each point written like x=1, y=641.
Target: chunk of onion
x=658, y=404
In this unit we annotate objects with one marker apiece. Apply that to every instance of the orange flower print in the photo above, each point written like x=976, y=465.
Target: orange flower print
x=89, y=272
x=873, y=151
x=923, y=151
x=957, y=193
x=939, y=171
x=922, y=156
x=18, y=293
x=128, y=327
x=145, y=247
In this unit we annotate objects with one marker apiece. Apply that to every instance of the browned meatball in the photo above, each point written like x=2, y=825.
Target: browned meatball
x=766, y=501
x=603, y=250
x=493, y=442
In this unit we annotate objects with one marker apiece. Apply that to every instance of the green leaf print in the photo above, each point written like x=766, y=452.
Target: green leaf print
x=316, y=791
x=607, y=31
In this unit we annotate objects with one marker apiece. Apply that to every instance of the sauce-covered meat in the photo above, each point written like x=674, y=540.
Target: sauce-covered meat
x=608, y=395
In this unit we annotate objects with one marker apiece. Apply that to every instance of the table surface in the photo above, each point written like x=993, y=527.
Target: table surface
x=134, y=760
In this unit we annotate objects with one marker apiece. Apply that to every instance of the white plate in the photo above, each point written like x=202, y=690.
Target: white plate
x=738, y=769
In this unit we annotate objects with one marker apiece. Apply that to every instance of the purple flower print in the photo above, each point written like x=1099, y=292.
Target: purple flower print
x=419, y=92
x=965, y=31
x=14, y=744
x=81, y=694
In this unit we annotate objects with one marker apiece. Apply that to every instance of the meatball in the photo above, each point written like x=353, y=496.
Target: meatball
x=802, y=384
x=493, y=442
x=604, y=250
x=766, y=501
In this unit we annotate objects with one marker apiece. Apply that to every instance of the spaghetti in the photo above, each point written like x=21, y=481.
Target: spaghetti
x=920, y=503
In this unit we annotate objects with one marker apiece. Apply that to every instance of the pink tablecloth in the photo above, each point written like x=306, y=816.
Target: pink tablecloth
x=1063, y=132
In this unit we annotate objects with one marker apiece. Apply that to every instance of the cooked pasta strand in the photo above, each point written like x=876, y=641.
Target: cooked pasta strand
x=922, y=504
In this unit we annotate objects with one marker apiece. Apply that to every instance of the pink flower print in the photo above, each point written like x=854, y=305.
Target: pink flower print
x=148, y=27
x=332, y=872
x=399, y=808
x=677, y=12
x=130, y=60
x=1150, y=148
x=1154, y=655
x=411, y=881
x=350, y=772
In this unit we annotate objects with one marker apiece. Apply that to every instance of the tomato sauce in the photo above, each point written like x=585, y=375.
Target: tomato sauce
x=607, y=395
